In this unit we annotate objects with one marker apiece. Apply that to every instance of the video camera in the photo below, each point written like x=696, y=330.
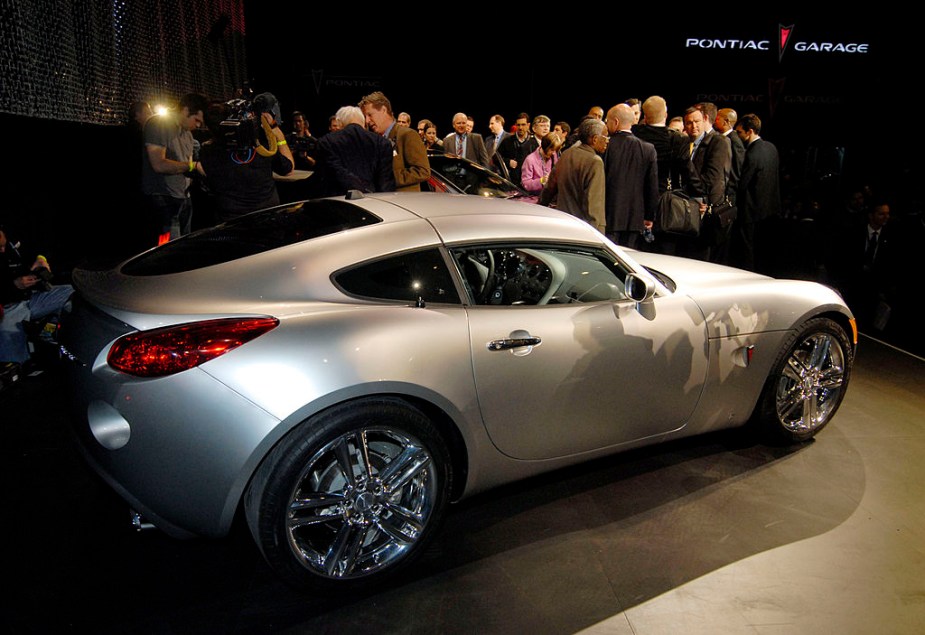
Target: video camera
x=241, y=125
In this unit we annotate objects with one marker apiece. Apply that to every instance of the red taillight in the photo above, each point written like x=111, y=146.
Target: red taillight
x=173, y=349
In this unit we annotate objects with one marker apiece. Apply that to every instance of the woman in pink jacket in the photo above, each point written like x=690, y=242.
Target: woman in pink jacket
x=539, y=164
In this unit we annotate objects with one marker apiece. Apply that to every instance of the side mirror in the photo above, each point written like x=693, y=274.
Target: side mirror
x=638, y=288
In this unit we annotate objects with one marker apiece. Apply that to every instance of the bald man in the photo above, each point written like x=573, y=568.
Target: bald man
x=631, y=171
x=464, y=143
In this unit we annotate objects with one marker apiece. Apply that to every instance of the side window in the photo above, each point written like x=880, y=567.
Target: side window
x=539, y=275
x=405, y=277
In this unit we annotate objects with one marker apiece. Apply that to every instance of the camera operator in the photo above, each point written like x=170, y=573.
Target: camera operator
x=238, y=163
x=303, y=145
x=25, y=294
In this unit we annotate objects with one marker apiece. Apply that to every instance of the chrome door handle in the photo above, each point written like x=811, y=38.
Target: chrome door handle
x=513, y=342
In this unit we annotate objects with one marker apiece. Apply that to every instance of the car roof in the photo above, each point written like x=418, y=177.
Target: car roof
x=462, y=217
x=435, y=205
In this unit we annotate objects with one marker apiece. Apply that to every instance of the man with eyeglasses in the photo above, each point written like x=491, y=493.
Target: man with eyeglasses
x=515, y=148
x=576, y=185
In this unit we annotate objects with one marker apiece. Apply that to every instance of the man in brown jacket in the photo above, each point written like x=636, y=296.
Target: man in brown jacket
x=409, y=158
x=577, y=182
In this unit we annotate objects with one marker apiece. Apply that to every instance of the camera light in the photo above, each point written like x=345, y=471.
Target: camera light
x=160, y=110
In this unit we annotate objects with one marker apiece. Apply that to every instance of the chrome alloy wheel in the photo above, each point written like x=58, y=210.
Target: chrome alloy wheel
x=811, y=383
x=361, y=503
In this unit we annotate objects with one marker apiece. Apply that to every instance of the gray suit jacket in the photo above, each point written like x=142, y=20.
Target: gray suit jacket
x=475, y=147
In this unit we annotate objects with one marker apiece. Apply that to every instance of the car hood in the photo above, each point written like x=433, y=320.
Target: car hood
x=764, y=303
x=696, y=274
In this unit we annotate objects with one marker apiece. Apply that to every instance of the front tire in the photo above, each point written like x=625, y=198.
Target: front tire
x=808, y=382
x=350, y=496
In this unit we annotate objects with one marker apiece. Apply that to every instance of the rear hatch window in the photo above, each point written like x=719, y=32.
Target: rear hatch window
x=248, y=235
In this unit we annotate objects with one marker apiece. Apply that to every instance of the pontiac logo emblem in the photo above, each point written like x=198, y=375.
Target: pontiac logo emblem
x=784, y=33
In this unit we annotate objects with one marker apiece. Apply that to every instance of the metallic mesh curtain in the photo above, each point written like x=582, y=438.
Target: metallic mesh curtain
x=87, y=60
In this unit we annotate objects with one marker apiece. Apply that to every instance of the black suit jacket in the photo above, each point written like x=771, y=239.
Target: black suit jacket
x=671, y=148
x=759, y=186
x=355, y=159
x=491, y=146
x=738, y=158
x=710, y=168
x=631, y=191
x=475, y=147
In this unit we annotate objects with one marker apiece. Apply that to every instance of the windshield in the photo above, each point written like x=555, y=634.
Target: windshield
x=472, y=178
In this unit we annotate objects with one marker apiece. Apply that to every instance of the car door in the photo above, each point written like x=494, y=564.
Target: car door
x=564, y=362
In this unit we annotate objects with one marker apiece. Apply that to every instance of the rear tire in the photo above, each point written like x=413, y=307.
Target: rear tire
x=350, y=496
x=807, y=383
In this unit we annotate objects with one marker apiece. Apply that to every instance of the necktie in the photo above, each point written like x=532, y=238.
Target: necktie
x=459, y=145
x=871, y=249
x=691, y=153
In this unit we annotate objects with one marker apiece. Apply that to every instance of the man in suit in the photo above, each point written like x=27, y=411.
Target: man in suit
x=758, y=197
x=707, y=173
x=711, y=157
x=631, y=168
x=409, y=157
x=862, y=265
x=353, y=158
x=464, y=143
x=671, y=147
x=725, y=124
x=498, y=134
x=711, y=168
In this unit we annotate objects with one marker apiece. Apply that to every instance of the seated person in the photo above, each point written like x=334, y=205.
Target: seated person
x=25, y=294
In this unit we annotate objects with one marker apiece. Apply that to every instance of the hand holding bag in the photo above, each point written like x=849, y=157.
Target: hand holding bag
x=678, y=213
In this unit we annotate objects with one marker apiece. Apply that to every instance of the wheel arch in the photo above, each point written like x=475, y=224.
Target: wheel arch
x=435, y=408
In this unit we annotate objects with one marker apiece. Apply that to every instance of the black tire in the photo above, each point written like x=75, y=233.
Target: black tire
x=319, y=527
x=807, y=383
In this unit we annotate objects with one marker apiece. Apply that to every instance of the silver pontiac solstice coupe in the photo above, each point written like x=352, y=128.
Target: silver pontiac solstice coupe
x=339, y=370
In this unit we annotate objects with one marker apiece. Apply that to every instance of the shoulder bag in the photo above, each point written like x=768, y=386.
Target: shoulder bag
x=678, y=213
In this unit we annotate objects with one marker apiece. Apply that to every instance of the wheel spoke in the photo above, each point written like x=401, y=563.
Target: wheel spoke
x=307, y=521
x=790, y=402
x=400, y=471
x=345, y=459
x=363, y=450
x=820, y=352
x=315, y=509
x=316, y=500
x=342, y=554
x=810, y=410
x=795, y=369
x=402, y=525
x=832, y=378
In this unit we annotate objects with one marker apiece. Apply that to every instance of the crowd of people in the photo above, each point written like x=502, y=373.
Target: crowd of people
x=614, y=170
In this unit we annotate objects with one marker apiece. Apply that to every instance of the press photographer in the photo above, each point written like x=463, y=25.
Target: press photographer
x=246, y=148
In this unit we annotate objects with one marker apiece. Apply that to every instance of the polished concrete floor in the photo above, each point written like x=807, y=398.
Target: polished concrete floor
x=717, y=534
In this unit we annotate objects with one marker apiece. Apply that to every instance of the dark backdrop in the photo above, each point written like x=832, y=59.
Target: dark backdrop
x=839, y=119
